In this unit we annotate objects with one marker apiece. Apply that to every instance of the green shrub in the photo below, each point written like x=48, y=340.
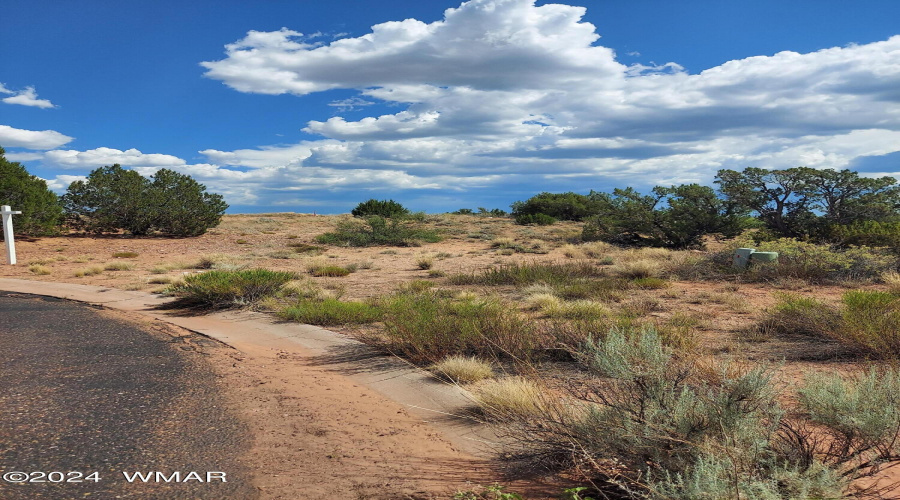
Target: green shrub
x=534, y=220
x=871, y=322
x=822, y=263
x=659, y=427
x=378, y=230
x=867, y=321
x=428, y=326
x=381, y=208
x=859, y=416
x=810, y=262
x=868, y=233
x=556, y=206
x=328, y=311
x=673, y=217
x=220, y=289
x=796, y=315
x=41, y=212
x=113, y=198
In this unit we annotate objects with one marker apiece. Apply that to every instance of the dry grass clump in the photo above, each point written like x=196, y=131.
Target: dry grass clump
x=892, y=280
x=573, y=251
x=161, y=280
x=463, y=369
x=217, y=261
x=579, y=310
x=39, y=269
x=125, y=255
x=637, y=269
x=509, y=398
x=165, y=268
x=425, y=263
x=329, y=271
x=543, y=302
x=88, y=271
x=118, y=266
x=596, y=249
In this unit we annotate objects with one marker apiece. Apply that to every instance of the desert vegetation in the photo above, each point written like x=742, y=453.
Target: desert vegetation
x=773, y=381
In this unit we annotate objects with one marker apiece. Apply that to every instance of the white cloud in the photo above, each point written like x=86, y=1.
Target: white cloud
x=4, y=90
x=484, y=44
x=504, y=94
x=100, y=157
x=27, y=97
x=61, y=182
x=31, y=139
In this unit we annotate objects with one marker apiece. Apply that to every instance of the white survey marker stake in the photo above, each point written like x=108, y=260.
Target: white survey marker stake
x=7, y=214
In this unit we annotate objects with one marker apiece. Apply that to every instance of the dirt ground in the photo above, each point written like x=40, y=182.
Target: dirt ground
x=318, y=435
x=373, y=448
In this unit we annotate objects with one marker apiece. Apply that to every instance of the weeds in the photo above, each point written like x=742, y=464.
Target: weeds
x=463, y=369
x=527, y=274
x=125, y=255
x=39, y=269
x=88, y=271
x=330, y=311
x=379, y=231
x=427, y=326
x=221, y=289
x=118, y=266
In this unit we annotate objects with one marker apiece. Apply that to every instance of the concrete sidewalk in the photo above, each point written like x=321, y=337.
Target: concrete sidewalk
x=441, y=405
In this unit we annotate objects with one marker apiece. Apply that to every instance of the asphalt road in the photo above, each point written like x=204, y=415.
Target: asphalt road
x=85, y=393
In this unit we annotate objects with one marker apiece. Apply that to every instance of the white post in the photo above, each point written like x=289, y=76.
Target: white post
x=7, y=214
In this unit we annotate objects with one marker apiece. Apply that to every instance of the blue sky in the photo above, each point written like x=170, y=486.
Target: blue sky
x=314, y=106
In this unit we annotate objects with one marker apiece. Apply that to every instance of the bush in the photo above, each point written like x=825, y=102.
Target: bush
x=800, y=260
x=41, y=213
x=556, y=206
x=660, y=427
x=378, y=231
x=871, y=322
x=868, y=233
x=673, y=217
x=534, y=220
x=329, y=311
x=427, y=326
x=113, y=199
x=221, y=289
x=867, y=321
x=381, y=208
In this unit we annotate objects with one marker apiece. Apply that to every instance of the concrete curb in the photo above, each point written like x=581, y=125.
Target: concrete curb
x=439, y=404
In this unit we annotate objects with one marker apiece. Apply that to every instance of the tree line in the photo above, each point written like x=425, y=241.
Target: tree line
x=110, y=200
x=828, y=206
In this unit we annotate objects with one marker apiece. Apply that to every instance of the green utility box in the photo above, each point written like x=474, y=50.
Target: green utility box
x=745, y=256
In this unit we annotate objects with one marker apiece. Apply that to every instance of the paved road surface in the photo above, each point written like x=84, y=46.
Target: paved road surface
x=86, y=393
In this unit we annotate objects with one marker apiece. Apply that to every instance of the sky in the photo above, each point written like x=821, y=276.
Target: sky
x=315, y=106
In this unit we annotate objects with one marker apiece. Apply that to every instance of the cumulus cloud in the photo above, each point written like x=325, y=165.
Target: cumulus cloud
x=100, y=157
x=31, y=139
x=510, y=96
x=516, y=90
x=484, y=44
x=27, y=97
